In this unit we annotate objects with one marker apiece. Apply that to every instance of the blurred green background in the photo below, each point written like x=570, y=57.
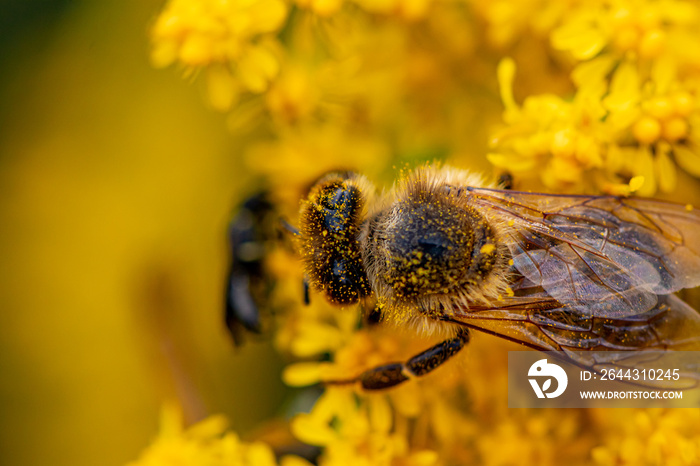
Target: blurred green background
x=117, y=183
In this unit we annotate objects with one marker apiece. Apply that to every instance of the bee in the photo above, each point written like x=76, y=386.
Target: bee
x=248, y=285
x=446, y=252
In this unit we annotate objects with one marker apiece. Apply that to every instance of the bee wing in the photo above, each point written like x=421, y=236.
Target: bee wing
x=600, y=255
x=540, y=322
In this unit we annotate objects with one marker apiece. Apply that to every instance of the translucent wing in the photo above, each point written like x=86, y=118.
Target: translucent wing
x=601, y=256
x=540, y=322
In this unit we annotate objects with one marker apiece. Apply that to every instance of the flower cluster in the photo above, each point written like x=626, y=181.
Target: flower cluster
x=234, y=41
x=650, y=437
x=634, y=113
x=206, y=443
x=611, y=106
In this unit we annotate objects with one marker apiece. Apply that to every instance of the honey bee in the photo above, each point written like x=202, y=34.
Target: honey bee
x=446, y=252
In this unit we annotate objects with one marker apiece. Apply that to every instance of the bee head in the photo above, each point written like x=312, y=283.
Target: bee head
x=330, y=221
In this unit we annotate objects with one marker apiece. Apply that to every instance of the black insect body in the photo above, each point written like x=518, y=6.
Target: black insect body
x=248, y=285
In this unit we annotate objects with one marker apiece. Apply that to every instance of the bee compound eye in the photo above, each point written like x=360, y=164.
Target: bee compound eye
x=338, y=197
x=340, y=273
x=343, y=284
x=330, y=224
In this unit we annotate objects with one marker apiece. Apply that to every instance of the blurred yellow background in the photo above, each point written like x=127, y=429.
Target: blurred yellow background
x=117, y=185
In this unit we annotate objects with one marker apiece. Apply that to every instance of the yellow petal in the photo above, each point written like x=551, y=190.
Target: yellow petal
x=624, y=88
x=302, y=374
x=209, y=427
x=513, y=162
x=164, y=53
x=593, y=71
x=506, y=76
x=257, y=67
x=644, y=166
x=582, y=40
x=222, y=88
x=314, y=338
x=424, y=458
x=688, y=160
x=663, y=74
x=636, y=183
x=196, y=50
x=309, y=430
x=259, y=454
x=407, y=399
x=380, y=413
x=326, y=7
x=268, y=15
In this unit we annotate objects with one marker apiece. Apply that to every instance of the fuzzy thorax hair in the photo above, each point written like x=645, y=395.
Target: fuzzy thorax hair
x=428, y=250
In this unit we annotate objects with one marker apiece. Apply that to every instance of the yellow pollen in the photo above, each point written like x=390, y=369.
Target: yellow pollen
x=509, y=292
x=636, y=183
x=487, y=248
x=689, y=207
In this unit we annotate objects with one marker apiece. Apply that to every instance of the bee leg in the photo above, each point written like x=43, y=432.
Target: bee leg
x=393, y=374
x=374, y=316
x=505, y=180
x=307, y=295
x=288, y=228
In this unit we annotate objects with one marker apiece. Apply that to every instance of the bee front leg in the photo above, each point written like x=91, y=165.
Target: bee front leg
x=389, y=375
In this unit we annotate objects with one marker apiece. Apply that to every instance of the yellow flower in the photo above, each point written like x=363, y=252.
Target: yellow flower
x=205, y=443
x=375, y=85
x=301, y=155
x=645, y=53
x=407, y=9
x=507, y=23
x=626, y=121
x=652, y=119
x=556, y=140
x=358, y=431
x=645, y=28
x=232, y=40
x=650, y=438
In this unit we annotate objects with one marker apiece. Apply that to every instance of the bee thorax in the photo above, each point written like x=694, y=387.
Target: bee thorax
x=432, y=244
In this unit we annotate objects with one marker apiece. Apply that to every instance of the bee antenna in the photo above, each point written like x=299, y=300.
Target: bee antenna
x=307, y=294
x=289, y=227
